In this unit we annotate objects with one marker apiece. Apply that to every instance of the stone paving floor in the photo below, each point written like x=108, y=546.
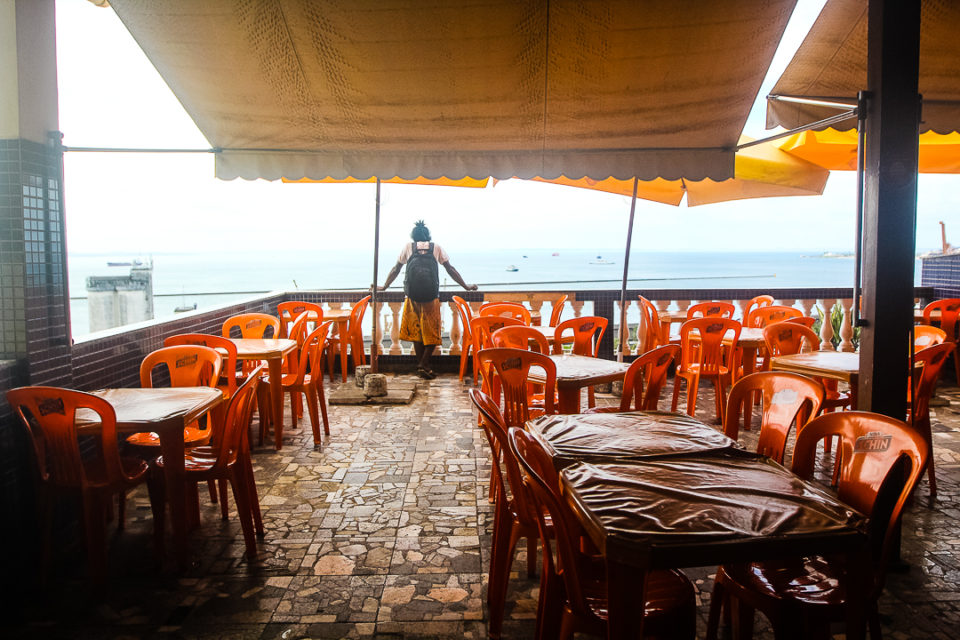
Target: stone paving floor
x=384, y=532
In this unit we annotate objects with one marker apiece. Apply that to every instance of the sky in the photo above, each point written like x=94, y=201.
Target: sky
x=137, y=204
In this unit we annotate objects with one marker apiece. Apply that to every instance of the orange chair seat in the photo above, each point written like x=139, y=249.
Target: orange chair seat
x=721, y=370
x=814, y=580
x=663, y=590
x=191, y=436
x=97, y=474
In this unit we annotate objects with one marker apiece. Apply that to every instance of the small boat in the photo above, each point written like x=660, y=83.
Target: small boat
x=185, y=307
x=524, y=256
x=129, y=263
x=511, y=267
x=554, y=254
x=600, y=260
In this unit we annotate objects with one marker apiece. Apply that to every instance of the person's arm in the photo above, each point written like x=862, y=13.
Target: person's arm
x=391, y=276
x=457, y=277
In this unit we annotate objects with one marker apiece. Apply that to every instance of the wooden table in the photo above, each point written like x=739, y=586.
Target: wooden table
x=624, y=436
x=272, y=350
x=836, y=365
x=703, y=510
x=342, y=318
x=667, y=318
x=576, y=372
x=166, y=412
x=918, y=316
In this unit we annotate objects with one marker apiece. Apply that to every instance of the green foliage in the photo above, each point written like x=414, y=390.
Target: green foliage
x=836, y=319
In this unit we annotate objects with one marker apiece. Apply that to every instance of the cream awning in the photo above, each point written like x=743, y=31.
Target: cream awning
x=408, y=88
x=832, y=63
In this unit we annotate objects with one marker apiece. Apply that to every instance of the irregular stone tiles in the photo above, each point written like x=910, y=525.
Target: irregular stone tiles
x=383, y=531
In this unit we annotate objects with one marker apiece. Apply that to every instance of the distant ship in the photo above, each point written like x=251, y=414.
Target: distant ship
x=600, y=260
x=511, y=267
x=524, y=256
x=554, y=254
x=186, y=307
x=129, y=263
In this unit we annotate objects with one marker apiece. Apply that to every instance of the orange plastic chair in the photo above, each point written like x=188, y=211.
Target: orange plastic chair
x=787, y=399
x=228, y=371
x=520, y=337
x=754, y=303
x=703, y=356
x=651, y=325
x=252, y=325
x=711, y=310
x=949, y=310
x=806, y=321
x=573, y=587
x=358, y=353
x=48, y=416
x=187, y=366
x=558, y=310
x=789, y=338
x=644, y=380
x=925, y=336
x=511, y=367
x=513, y=516
x=482, y=328
x=587, y=333
x=513, y=310
x=803, y=596
x=306, y=377
x=289, y=311
x=229, y=460
x=931, y=360
x=466, y=335
x=759, y=318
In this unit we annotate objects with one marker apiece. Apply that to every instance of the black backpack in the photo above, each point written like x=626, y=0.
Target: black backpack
x=421, y=281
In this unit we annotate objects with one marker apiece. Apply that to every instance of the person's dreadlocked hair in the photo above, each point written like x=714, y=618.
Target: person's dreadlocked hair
x=420, y=232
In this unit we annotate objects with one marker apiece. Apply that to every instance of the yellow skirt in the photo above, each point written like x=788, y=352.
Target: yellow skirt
x=421, y=322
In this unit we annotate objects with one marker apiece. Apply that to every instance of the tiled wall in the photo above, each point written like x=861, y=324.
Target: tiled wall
x=943, y=274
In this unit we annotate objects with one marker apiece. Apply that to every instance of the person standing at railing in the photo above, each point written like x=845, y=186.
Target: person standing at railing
x=420, y=323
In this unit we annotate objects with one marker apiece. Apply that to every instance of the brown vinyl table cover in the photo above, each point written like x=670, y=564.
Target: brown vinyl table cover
x=620, y=437
x=702, y=499
x=571, y=368
x=153, y=409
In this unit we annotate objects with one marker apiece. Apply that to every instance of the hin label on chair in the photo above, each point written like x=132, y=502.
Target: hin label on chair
x=50, y=405
x=253, y=323
x=663, y=359
x=200, y=343
x=713, y=328
x=873, y=442
x=586, y=326
x=786, y=334
x=186, y=361
x=511, y=363
x=298, y=309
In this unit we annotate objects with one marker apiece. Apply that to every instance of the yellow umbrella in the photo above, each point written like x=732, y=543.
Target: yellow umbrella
x=761, y=171
x=837, y=150
x=442, y=182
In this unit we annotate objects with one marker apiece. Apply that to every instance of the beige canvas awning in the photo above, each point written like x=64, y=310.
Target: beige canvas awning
x=300, y=88
x=832, y=64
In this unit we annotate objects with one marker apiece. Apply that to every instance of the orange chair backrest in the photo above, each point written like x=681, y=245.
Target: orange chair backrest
x=543, y=483
x=482, y=328
x=513, y=310
x=308, y=358
x=587, y=333
x=48, y=415
x=290, y=310
x=875, y=451
x=645, y=378
x=520, y=337
x=713, y=309
x=787, y=398
x=761, y=317
x=465, y=313
x=925, y=335
x=558, y=310
x=188, y=366
x=788, y=338
x=755, y=302
x=495, y=429
x=932, y=360
x=252, y=325
x=512, y=368
x=949, y=309
x=236, y=422
x=229, y=366
x=806, y=321
x=651, y=324
x=701, y=340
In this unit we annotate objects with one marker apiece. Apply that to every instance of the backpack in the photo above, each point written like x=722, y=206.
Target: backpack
x=421, y=281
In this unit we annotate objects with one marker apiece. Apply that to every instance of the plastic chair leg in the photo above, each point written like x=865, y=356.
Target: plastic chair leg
x=222, y=487
x=240, y=495
x=94, y=530
x=212, y=488
x=531, y=556
x=693, y=388
x=322, y=401
x=314, y=410
x=505, y=538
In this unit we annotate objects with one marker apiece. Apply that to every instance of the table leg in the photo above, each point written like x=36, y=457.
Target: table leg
x=665, y=332
x=858, y=576
x=625, y=588
x=569, y=399
x=171, y=446
x=274, y=367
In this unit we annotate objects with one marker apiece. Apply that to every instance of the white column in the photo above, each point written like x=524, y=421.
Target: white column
x=455, y=334
x=396, y=348
x=846, y=327
x=826, y=327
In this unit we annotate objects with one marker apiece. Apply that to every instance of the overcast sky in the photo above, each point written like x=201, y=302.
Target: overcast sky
x=111, y=96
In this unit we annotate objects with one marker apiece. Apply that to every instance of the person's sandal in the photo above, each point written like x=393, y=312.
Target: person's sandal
x=426, y=374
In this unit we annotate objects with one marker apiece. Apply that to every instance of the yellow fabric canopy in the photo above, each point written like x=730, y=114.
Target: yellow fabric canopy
x=761, y=171
x=321, y=88
x=837, y=150
x=832, y=64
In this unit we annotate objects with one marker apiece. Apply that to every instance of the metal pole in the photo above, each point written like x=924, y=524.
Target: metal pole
x=374, y=347
x=858, y=245
x=626, y=266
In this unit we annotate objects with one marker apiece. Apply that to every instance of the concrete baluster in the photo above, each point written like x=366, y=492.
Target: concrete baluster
x=806, y=305
x=455, y=333
x=619, y=334
x=846, y=327
x=378, y=339
x=826, y=327
x=577, y=308
x=536, y=305
x=396, y=349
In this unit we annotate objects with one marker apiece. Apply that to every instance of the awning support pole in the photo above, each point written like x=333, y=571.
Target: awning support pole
x=858, y=241
x=819, y=124
x=624, y=333
x=374, y=345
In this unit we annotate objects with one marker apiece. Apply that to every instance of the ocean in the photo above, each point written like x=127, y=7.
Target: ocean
x=209, y=279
